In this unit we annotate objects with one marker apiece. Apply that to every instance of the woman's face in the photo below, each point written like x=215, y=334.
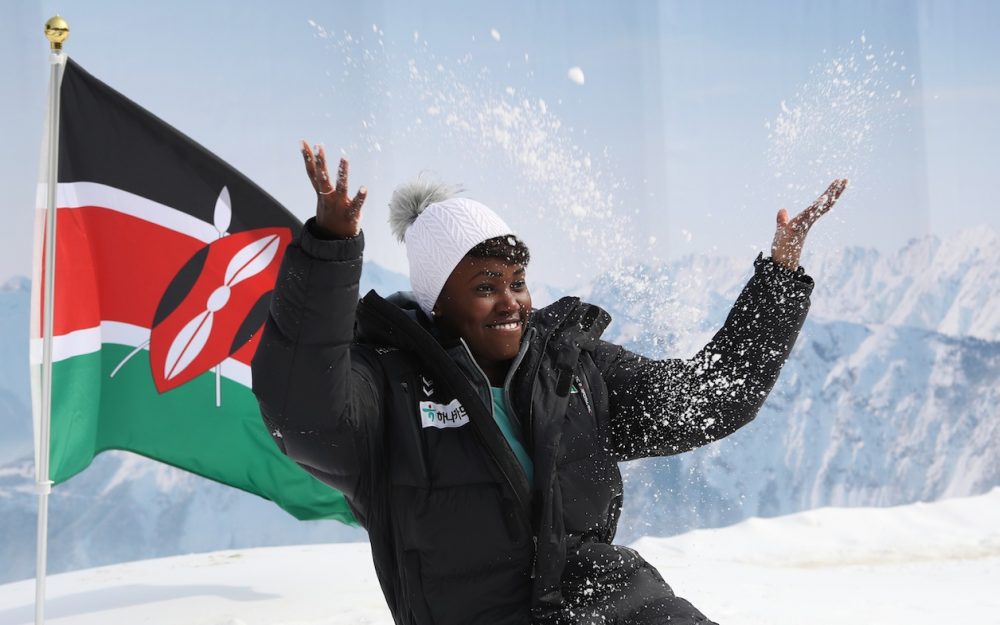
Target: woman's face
x=486, y=302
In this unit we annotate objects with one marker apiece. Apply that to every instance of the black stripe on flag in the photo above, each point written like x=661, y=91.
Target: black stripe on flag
x=108, y=139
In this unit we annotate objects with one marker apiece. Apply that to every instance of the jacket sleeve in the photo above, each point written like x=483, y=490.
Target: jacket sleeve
x=665, y=407
x=320, y=399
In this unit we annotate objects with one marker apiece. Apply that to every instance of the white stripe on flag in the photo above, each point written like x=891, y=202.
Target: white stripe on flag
x=77, y=194
x=89, y=340
x=75, y=343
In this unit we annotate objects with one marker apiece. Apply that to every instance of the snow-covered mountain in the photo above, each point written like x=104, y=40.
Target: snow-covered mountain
x=950, y=286
x=862, y=415
x=920, y=564
x=883, y=401
x=889, y=397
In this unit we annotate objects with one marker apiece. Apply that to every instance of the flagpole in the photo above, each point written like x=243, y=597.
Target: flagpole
x=56, y=31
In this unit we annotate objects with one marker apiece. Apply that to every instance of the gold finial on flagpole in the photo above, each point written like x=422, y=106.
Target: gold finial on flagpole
x=56, y=31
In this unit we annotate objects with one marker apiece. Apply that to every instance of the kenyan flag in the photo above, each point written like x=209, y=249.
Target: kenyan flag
x=165, y=261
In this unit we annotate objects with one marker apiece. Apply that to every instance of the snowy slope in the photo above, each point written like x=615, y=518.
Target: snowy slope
x=913, y=565
x=125, y=507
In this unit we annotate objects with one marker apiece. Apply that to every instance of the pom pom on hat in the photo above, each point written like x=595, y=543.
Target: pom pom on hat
x=438, y=229
x=410, y=199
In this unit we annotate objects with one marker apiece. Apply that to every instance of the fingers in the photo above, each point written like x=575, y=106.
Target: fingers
x=782, y=218
x=833, y=194
x=307, y=155
x=342, y=177
x=823, y=203
x=315, y=162
x=359, y=199
x=791, y=234
x=826, y=201
x=324, y=177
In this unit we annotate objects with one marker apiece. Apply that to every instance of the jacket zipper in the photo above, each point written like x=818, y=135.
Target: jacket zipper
x=525, y=342
x=530, y=429
x=525, y=506
x=510, y=376
x=583, y=394
x=534, y=556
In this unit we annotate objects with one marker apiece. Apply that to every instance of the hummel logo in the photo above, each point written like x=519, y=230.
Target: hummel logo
x=428, y=386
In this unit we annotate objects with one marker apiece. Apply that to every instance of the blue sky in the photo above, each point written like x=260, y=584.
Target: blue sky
x=671, y=116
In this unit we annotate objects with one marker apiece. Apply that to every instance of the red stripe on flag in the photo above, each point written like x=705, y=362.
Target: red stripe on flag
x=112, y=267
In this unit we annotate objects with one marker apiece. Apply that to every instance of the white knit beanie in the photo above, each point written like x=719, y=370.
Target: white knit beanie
x=438, y=229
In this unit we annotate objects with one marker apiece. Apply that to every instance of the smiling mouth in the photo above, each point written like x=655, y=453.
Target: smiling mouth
x=506, y=326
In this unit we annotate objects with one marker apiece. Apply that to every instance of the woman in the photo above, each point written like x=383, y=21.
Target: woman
x=477, y=439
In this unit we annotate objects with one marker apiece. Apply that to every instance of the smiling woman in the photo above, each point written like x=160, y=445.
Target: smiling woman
x=477, y=439
x=486, y=302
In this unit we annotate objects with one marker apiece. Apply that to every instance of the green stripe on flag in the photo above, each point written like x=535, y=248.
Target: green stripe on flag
x=182, y=427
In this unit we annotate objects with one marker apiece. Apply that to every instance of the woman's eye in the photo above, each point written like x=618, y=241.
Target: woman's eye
x=485, y=288
x=517, y=286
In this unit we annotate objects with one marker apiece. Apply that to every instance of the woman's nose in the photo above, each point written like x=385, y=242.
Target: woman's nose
x=506, y=302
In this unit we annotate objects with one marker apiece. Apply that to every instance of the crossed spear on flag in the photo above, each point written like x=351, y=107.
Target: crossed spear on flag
x=249, y=256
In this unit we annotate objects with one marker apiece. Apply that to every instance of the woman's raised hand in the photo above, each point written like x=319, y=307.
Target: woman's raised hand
x=336, y=212
x=791, y=233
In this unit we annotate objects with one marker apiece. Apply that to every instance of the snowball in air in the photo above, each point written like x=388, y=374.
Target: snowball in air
x=495, y=34
x=575, y=74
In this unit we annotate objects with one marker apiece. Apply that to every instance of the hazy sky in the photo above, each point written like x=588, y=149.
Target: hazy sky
x=694, y=121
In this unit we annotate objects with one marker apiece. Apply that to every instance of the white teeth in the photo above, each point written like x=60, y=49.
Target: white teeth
x=506, y=326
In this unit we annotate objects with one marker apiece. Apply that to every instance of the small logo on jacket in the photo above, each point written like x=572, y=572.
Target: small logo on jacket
x=451, y=415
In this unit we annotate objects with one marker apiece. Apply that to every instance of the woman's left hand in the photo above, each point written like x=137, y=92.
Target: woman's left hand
x=791, y=233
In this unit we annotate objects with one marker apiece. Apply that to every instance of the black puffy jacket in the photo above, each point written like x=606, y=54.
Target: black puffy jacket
x=364, y=396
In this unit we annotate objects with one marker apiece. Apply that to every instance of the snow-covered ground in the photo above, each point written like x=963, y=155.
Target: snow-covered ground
x=921, y=563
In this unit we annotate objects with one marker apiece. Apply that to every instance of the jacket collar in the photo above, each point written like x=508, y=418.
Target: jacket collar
x=578, y=321
x=370, y=327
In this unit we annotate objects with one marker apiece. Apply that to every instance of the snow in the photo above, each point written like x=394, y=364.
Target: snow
x=915, y=564
x=825, y=130
x=507, y=128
